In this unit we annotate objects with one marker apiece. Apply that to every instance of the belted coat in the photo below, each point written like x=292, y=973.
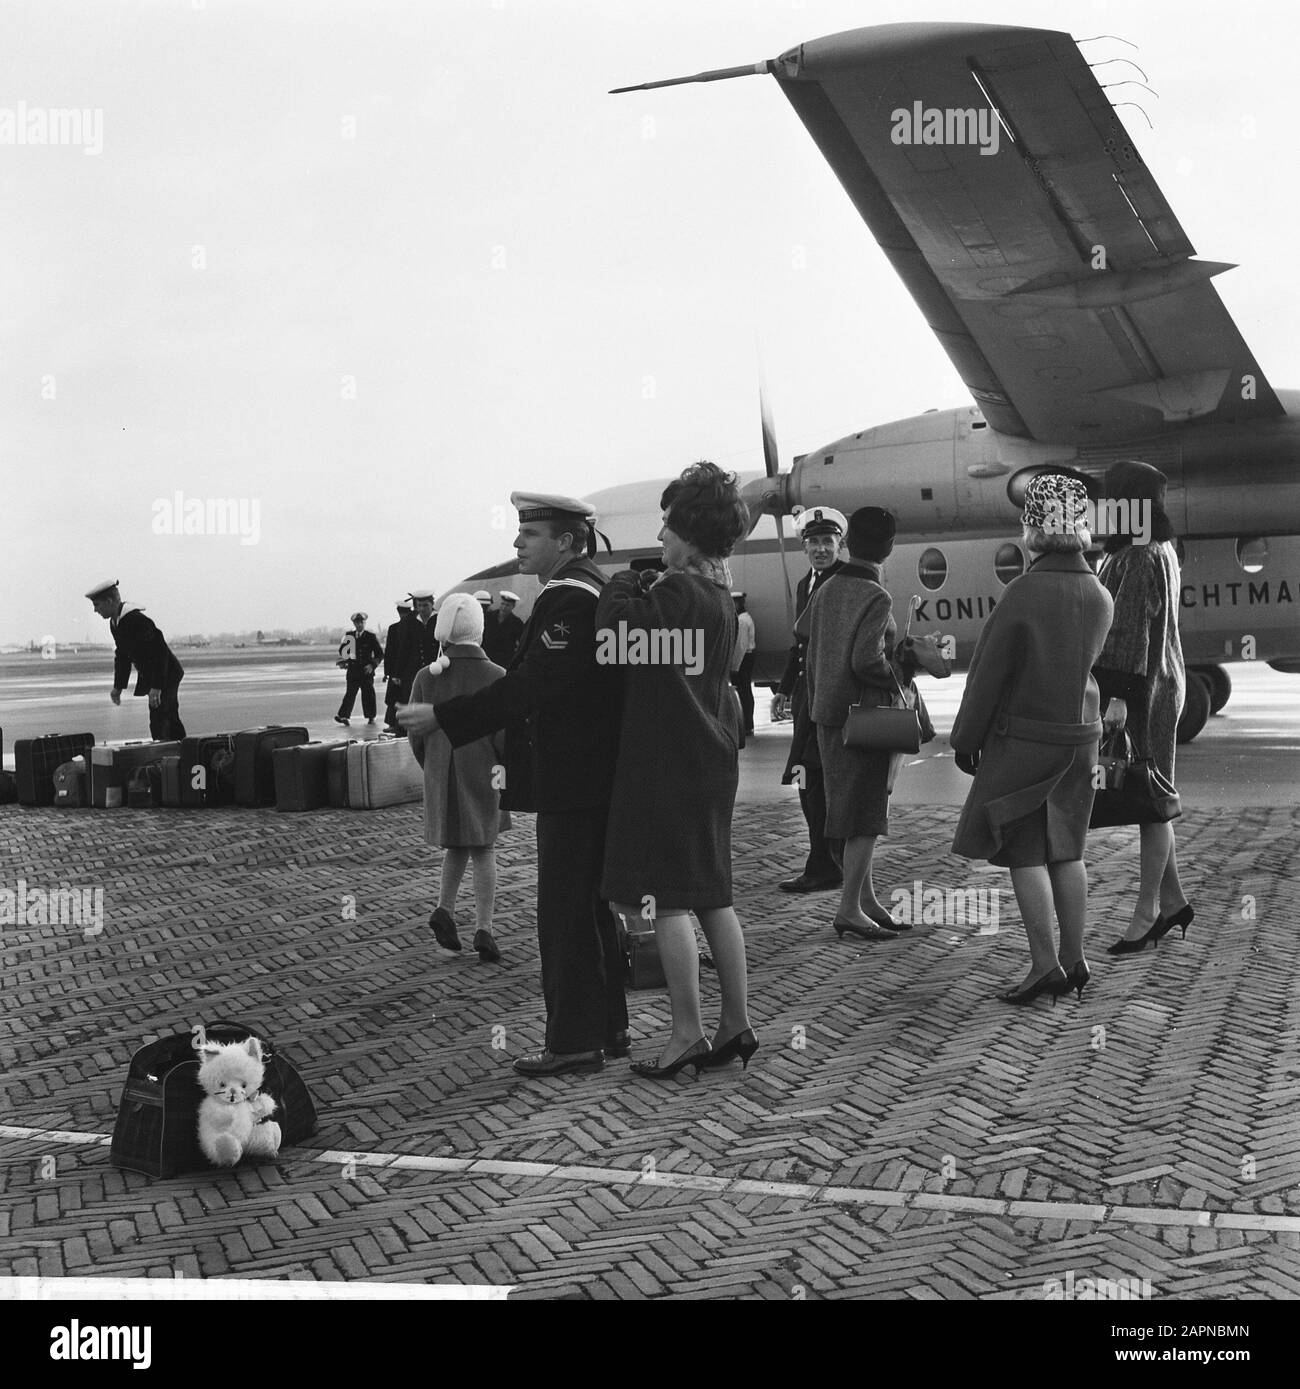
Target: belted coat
x=1030, y=705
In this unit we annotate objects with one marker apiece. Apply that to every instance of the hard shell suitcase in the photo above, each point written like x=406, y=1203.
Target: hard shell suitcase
x=336, y=764
x=199, y=752
x=111, y=767
x=383, y=773
x=254, y=770
x=37, y=759
x=158, y=1115
x=302, y=775
x=172, y=796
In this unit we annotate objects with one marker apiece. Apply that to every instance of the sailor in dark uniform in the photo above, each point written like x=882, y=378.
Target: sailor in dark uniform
x=395, y=692
x=419, y=646
x=561, y=711
x=822, y=531
x=140, y=644
x=502, y=630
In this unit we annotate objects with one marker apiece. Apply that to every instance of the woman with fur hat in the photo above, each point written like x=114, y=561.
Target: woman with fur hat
x=461, y=785
x=1141, y=675
x=1028, y=731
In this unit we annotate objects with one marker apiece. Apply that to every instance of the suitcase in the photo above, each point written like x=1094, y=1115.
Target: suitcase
x=158, y=1115
x=37, y=759
x=254, y=770
x=383, y=773
x=200, y=752
x=111, y=767
x=70, y=784
x=144, y=788
x=302, y=775
x=336, y=764
x=172, y=797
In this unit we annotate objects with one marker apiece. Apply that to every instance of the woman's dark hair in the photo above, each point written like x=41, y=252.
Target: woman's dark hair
x=871, y=534
x=704, y=507
x=1133, y=481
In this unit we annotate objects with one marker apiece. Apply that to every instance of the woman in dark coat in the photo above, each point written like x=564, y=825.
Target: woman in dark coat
x=849, y=625
x=1028, y=729
x=668, y=847
x=1140, y=672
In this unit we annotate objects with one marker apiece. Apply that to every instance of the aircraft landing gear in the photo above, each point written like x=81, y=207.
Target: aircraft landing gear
x=1196, y=707
x=1220, y=686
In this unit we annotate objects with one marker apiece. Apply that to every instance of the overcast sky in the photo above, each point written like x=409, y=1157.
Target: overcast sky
x=371, y=266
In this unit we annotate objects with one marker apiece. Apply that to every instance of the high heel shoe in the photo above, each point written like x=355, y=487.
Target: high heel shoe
x=744, y=1044
x=1053, y=982
x=1181, y=918
x=1131, y=947
x=1077, y=976
x=693, y=1056
x=865, y=932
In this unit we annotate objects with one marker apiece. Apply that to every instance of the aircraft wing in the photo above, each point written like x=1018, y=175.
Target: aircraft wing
x=1053, y=271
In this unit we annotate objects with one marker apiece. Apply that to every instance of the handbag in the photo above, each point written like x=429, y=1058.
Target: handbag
x=893, y=727
x=158, y=1116
x=1141, y=793
x=924, y=652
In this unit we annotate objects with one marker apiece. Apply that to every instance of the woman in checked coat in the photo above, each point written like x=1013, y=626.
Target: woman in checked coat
x=1140, y=672
x=1028, y=729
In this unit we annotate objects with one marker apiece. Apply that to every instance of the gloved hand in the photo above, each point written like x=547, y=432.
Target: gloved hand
x=967, y=762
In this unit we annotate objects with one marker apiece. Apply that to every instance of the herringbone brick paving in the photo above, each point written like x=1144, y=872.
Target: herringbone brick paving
x=899, y=1134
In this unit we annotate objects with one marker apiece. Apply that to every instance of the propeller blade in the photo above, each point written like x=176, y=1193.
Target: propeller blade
x=771, y=459
x=785, y=569
x=773, y=497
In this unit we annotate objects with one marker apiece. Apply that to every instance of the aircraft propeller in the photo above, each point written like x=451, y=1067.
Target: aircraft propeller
x=769, y=495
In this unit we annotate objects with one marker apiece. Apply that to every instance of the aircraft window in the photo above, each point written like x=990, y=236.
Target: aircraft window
x=979, y=424
x=828, y=460
x=1008, y=563
x=927, y=494
x=932, y=569
x=1251, y=551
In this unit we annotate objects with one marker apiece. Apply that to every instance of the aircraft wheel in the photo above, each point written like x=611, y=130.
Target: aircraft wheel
x=1196, y=707
x=1220, y=686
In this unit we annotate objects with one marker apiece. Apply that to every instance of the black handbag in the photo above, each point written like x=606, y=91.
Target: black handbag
x=1136, y=792
x=157, y=1119
x=894, y=727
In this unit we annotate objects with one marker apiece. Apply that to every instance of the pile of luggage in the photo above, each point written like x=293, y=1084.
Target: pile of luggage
x=272, y=766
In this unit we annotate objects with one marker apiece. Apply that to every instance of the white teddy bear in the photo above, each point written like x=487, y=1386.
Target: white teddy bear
x=234, y=1120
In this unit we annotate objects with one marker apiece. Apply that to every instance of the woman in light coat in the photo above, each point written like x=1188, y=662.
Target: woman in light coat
x=461, y=785
x=1028, y=729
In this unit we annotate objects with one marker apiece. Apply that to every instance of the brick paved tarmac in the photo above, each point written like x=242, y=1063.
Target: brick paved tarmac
x=900, y=1133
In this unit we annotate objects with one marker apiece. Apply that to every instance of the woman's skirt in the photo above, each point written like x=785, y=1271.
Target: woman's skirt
x=857, y=787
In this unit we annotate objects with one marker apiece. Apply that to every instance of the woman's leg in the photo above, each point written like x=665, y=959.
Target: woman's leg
x=1033, y=889
x=1172, y=896
x=680, y=957
x=485, y=886
x=1070, y=896
x=726, y=941
x=857, y=872
x=1157, y=846
x=454, y=862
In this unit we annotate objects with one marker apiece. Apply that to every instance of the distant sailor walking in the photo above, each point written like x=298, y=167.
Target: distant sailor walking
x=560, y=708
x=395, y=692
x=360, y=655
x=140, y=644
x=503, y=630
x=419, y=645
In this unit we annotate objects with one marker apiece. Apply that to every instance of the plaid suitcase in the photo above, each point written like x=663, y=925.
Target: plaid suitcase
x=254, y=769
x=70, y=784
x=37, y=759
x=158, y=1116
x=383, y=772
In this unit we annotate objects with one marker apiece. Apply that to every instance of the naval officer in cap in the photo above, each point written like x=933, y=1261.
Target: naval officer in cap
x=394, y=648
x=503, y=630
x=822, y=530
x=420, y=647
x=561, y=712
x=140, y=644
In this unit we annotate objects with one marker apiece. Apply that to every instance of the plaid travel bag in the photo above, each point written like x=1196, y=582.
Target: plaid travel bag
x=158, y=1117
